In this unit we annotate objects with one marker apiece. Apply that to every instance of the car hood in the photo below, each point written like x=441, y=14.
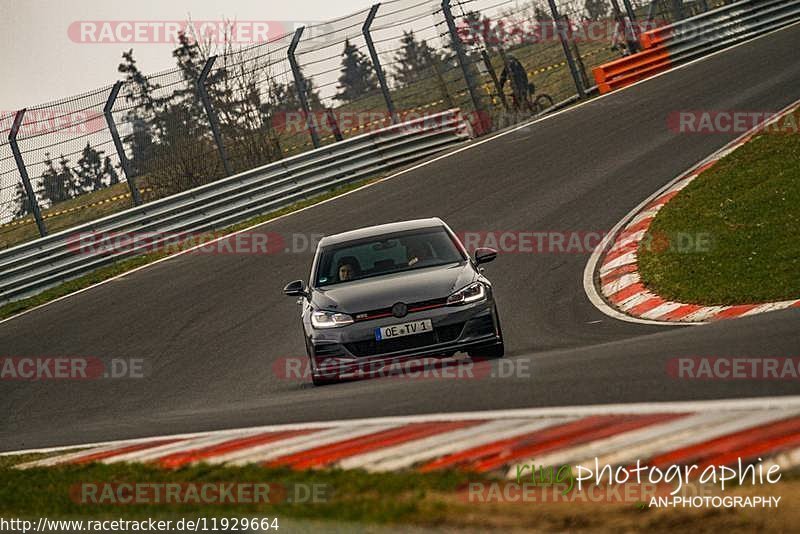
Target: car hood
x=385, y=291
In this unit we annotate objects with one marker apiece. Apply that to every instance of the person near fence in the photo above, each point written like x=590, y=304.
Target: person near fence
x=522, y=89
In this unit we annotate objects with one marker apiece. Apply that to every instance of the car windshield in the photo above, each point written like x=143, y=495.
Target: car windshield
x=386, y=254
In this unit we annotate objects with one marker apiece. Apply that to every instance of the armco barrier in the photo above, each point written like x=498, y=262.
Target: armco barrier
x=34, y=266
x=694, y=37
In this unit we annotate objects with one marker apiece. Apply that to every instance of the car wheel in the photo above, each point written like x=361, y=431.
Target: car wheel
x=315, y=378
x=323, y=381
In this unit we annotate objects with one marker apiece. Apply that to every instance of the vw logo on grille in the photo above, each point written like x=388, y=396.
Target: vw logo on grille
x=400, y=310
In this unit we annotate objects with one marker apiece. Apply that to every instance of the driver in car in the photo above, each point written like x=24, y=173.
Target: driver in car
x=347, y=269
x=417, y=252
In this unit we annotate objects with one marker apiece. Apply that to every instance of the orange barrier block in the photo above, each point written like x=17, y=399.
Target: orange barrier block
x=630, y=69
x=655, y=37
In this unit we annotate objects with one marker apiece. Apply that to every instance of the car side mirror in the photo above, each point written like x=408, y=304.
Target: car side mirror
x=295, y=289
x=485, y=255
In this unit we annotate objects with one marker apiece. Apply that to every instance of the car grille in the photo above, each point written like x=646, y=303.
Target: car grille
x=412, y=308
x=442, y=334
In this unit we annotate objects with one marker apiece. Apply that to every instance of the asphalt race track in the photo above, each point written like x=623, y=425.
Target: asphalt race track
x=210, y=327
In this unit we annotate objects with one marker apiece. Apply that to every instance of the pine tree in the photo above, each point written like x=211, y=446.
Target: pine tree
x=358, y=77
x=145, y=106
x=597, y=9
x=91, y=170
x=286, y=97
x=58, y=185
x=185, y=115
x=415, y=59
x=143, y=93
x=23, y=207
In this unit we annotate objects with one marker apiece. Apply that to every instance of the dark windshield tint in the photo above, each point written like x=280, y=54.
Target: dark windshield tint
x=386, y=254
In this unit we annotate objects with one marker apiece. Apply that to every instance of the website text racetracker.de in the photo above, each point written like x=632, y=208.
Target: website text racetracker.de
x=716, y=121
x=170, y=31
x=510, y=31
x=258, y=242
x=42, y=121
x=58, y=368
x=410, y=368
x=195, y=524
x=331, y=121
x=196, y=493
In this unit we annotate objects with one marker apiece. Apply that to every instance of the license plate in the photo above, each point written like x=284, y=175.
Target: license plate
x=405, y=329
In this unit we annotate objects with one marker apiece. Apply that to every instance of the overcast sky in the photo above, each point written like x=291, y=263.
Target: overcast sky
x=43, y=58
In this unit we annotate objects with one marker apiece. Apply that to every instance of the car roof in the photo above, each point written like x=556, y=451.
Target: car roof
x=382, y=229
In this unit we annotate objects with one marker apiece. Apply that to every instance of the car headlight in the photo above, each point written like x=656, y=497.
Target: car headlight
x=472, y=293
x=329, y=319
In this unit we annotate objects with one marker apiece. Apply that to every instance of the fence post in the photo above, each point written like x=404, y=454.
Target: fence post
x=212, y=116
x=632, y=21
x=300, y=85
x=376, y=62
x=334, y=124
x=631, y=40
x=565, y=46
x=462, y=60
x=33, y=203
x=123, y=159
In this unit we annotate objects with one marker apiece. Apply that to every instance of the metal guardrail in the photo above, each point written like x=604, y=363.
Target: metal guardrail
x=717, y=29
x=697, y=36
x=32, y=267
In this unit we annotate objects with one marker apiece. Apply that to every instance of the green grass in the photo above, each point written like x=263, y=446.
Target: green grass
x=11, y=460
x=357, y=498
x=122, y=266
x=341, y=495
x=69, y=213
x=748, y=208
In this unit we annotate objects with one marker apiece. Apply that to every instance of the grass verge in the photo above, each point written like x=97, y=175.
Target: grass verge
x=122, y=266
x=730, y=237
x=436, y=499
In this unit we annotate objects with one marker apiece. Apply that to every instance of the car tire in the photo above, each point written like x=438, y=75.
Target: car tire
x=315, y=378
x=322, y=381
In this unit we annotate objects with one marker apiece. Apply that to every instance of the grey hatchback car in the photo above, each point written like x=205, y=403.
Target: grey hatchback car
x=388, y=293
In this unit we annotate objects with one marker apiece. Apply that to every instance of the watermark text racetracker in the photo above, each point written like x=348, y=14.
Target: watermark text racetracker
x=260, y=242
x=191, y=493
x=734, y=368
x=411, y=368
x=712, y=121
x=57, y=368
x=170, y=31
x=514, y=31
x=42, y=121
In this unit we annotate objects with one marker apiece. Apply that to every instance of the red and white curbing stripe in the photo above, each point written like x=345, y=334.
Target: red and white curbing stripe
x=618, y=274
x=761, y=430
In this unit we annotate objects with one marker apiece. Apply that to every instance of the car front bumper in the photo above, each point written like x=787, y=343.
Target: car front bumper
x=354, y=349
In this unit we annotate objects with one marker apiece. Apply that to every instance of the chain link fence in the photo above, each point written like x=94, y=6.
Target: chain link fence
x=226, y=109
